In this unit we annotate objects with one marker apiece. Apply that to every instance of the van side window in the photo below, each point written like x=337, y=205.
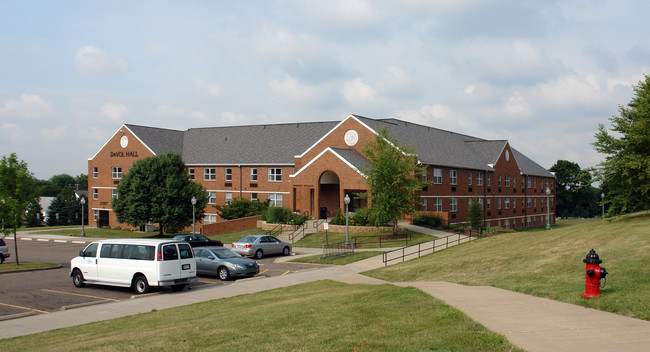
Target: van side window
x=106, y=251
x=91, y=250
x=138, y=252
x=169, y=252
x=186, y=250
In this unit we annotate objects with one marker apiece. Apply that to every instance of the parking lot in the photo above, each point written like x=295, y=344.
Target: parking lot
x=45, y=291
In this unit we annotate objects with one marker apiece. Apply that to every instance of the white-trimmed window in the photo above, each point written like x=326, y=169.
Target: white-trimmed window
x=437, y=204
x=479, y=179
x=116, y=172
x=424, y=204
x=507, y=180
x=254, y=197
x=469, y=178
x=275, y=175
x=507, y=202
x=95, y=214
x=514, y=184
x=209, y=218
x=529, y=202
x=424, y=175
x=254, y=174
x=190, y=173
x=228, y=174
x=95, y=172
x=114, y=193
x=499, y=203
x=499, y=182
x=212, y=197
x=523, y=182
x=507, y=224
x=95, y=193
x=275, y=199
x=489, y=179
x=437, y=176
x=489, y=204
x=514, y=203
x=228, y=197
x=453, y=177
x=528, y=181
x=453, y=204
x=209, y=174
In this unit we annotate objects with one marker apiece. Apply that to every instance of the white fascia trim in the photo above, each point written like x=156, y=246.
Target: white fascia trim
x=237, y=165
x=332, y=130
x=116, y=132
x=328, y=149
x=238, y=191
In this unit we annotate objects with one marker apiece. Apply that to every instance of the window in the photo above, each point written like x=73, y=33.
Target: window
x=95, y=193
x=228, y=197
x=228, y=174
x=437, y=176
x=453, y=204
x=254, y=174
x=117, y=172
x=453, y=177
x=95, y=214
x=514, y=203
x=114, y=192
x=212, y=197
x=529, y=202
x=489, y=179
x=499, y=182
x=514, y=184
x=535, y=182
x=499, y=203
x=469, y=178
x=437, y=204
x=528, y=181
x=95, y=172
x=209, y=174
x=424, y=204
x=488, y=204
x=275, y=175
x=276, y=199
x=190, y=172
x=507, y=203
x=254, y=197
x=507, y=224
x=424, y=175
x=523, y=182
x=507, y=180
x=209, y=218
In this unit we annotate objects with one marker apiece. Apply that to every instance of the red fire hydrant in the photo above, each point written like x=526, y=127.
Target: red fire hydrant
x=594, y=273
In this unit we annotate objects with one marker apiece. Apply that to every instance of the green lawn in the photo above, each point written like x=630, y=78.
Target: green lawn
x=10, y=264
x=549, y=263
x=319, y=316
x=365, y=240
x=340, y=260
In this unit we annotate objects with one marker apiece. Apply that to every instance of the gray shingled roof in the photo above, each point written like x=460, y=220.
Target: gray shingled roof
x=353, y=157
x=280, y=143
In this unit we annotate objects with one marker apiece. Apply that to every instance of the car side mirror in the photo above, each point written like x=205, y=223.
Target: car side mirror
x=82, y=253
x=211, y=257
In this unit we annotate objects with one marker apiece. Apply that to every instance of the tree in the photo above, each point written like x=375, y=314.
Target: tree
x=67, y=207
x=625, y=173
x=158, y=189
x=393, y=182
x=475, y=214
x=17, y=191
x=575, y=196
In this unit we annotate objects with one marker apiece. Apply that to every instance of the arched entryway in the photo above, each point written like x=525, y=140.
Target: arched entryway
x=328, y=194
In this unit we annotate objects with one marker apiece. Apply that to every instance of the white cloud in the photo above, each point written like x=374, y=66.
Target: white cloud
x=440, y=116
x=230, y=118
x=356, y=92
x=210, y=90
x=27, y=106
x=292, y=89
x=91, y=59
x=54, y=134
x=114, y=112
x=14, y=133
x=180, y=118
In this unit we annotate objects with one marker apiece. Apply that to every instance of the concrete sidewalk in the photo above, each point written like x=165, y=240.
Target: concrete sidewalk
x=532, y=323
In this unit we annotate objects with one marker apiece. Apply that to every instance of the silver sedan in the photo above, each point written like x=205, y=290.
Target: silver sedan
x=260, y=245
x=224, y=263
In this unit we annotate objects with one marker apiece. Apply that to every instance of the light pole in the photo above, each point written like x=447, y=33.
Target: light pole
x=346, y=200
x=548, y=209
x=83, y=202
x=193, y=215
x=602, y=203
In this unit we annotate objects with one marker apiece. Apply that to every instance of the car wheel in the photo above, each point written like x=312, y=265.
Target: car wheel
x=259, y=254
x=223, y=273
x=78, y=278
x=286, y=251
x=140, y=285
x=2, y=259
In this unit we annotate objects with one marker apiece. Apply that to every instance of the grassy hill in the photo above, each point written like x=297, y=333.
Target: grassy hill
x=549, y=263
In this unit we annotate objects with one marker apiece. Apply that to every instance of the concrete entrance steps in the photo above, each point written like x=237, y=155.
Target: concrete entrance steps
x=309, y=229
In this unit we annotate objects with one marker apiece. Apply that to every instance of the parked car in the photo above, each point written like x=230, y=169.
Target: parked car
x=196, y=240
x=136, y=263
x=4, y=251
x=260, y=245
x=224, y=263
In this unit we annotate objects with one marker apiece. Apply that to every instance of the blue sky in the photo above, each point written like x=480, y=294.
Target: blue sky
x=541, y=74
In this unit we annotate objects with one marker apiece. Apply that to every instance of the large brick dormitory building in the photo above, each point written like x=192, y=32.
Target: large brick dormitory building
x=310, y=167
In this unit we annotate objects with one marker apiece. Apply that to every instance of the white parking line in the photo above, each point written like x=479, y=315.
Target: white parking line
x=43, y=240
x=79, y=242
x=26, y=239
x=60, y=241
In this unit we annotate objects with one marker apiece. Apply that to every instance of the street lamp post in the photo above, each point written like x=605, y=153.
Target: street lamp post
x=347, y=228
x=548, y=209
x=83, y=202
x=602, y=203
x=193, y=215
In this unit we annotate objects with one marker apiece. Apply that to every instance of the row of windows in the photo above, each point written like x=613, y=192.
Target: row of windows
x=529, y=221
x=210, y=174
x=530, y=182
x=453, y=203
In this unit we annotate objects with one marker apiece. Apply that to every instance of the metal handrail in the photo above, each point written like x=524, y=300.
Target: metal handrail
x=274, y=230
x=420, y=250
x=296, y=232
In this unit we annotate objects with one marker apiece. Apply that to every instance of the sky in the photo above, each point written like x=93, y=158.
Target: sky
x=541, y=74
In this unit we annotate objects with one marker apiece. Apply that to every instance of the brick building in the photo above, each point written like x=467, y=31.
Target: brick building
x=310, y=167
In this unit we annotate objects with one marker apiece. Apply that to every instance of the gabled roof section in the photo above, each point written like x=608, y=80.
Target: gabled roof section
x=355, y=117
x=350, y=157
x=159, y=140
x=528, y=166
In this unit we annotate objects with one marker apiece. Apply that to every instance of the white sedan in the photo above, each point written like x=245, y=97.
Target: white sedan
x=260, y=245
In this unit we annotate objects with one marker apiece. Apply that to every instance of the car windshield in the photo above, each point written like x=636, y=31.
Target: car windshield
x=248, y=239
x=225, y=253
x=180, y=238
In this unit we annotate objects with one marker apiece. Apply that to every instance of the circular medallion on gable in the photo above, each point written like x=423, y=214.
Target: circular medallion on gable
x=507, y=155
x=351, y=137
x=124, y=141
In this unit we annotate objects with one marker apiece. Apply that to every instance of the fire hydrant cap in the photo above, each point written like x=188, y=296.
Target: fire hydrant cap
x=592, y=258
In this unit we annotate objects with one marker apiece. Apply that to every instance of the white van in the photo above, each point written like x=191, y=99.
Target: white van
x=136, y=263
